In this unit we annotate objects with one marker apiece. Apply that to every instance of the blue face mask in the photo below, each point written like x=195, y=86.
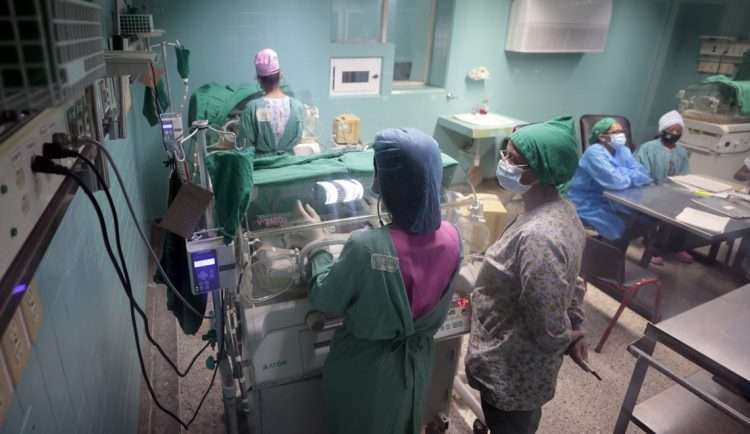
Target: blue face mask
x=509, y=177
x=618, y=140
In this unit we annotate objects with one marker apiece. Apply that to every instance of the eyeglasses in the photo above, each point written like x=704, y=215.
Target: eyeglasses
x=506, y=157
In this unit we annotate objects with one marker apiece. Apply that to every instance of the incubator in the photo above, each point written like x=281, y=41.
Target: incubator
x=717, y=132
x=285, y=341
x=712, y=102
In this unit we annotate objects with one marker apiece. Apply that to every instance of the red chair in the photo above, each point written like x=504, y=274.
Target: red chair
x=606, y=267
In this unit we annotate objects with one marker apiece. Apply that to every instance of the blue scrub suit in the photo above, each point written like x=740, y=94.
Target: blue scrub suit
x=598, y=170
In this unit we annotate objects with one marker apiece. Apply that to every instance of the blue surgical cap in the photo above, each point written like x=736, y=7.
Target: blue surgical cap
x=410, y=173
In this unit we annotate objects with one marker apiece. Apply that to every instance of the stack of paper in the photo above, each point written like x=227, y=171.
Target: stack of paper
x=701, y=183
x=703, y=220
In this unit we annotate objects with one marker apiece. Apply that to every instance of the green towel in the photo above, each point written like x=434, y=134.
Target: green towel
x=183, y=61
x=150, y=111
x=231, y=174
x=741, y=87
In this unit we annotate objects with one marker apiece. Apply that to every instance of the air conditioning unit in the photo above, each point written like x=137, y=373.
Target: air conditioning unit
x=559, y=26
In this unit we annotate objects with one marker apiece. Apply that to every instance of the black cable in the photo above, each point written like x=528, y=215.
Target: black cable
x=41, y=164
x=129, y=291
x=205, y=394
x=56, y=150
x=110, y=253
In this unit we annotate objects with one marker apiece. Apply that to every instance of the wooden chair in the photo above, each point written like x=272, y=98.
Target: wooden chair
x=606, y=267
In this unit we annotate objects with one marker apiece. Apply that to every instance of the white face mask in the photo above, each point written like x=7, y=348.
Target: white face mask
x=509, y=177
x=617, y=140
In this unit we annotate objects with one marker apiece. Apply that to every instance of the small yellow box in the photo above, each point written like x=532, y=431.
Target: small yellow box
x=494, y=213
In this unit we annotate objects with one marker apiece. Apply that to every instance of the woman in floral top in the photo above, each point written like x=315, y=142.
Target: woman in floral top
x=526, y=305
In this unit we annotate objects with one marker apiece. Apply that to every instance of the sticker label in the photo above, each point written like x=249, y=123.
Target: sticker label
x=386, y=263
x=263, y=115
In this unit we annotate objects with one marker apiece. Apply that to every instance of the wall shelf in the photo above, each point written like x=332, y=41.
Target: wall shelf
x=128, y=62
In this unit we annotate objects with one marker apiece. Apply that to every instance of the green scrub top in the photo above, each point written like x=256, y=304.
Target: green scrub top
x=256, y=129
x=376, y=376
x=662, y=162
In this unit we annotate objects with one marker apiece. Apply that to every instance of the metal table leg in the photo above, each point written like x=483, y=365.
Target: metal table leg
x=646, y=344
x=714, y=251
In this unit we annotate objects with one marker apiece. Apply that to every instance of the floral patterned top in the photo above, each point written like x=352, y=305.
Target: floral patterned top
x=525, y=303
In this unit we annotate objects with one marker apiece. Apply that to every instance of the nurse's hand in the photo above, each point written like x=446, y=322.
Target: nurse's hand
x=579, y=350
x=466, y=279
x=303, y=237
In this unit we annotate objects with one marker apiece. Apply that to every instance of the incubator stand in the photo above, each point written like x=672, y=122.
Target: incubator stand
x=284, y=340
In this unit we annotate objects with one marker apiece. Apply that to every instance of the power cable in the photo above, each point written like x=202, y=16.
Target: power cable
x=45, y=165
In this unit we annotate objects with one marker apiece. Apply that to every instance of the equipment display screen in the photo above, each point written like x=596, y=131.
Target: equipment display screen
x=205, y=270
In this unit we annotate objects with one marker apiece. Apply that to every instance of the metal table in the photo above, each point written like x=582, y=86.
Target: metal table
x=664, y=202
x=715, y=337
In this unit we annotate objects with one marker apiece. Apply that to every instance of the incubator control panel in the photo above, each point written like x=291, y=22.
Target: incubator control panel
x=458, y=320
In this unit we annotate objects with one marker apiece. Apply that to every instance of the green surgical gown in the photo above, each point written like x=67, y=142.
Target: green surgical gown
x=663, y=162
x=256, y=129
x=376, y=376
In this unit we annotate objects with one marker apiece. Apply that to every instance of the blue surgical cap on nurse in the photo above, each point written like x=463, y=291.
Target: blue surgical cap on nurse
x=409, y=169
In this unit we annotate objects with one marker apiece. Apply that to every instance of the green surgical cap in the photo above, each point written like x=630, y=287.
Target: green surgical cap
x=600, y=127
x=550, y=149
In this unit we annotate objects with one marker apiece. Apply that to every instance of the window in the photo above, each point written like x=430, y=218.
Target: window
x=356, y=20
x=410, y=29
x=410, y=25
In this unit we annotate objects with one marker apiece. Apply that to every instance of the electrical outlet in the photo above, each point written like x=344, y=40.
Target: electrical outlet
x=31, y=307
x=6, y=391
x=16, y=346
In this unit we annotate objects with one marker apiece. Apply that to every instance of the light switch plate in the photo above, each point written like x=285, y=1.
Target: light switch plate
x=31, y=307
x=16, y=346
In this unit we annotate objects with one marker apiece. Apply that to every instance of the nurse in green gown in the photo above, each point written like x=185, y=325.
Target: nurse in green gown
x=392, y=287
x=664, y=156
x=272, y=124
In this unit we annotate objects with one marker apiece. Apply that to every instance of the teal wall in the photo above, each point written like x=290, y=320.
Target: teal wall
x=83, y=376
x=223, y=37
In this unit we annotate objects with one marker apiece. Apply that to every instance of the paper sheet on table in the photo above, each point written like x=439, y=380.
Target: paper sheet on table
x=702, y=183
x=703, y=220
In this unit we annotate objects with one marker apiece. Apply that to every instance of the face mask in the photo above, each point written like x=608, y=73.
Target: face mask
x=618, y=140
x=509, y=177
x=670, y=138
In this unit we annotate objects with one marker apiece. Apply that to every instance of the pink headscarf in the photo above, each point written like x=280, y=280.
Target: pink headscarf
x=266, y=63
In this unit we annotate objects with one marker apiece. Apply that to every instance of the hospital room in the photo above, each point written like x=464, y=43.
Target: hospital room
x=374, y=216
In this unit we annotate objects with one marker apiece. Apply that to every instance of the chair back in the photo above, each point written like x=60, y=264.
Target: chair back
x=603, y=263
x=587, y=122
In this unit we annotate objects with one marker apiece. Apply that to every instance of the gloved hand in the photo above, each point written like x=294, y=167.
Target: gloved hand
x=466, y=279
x=303, y=237
x=372, y=205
